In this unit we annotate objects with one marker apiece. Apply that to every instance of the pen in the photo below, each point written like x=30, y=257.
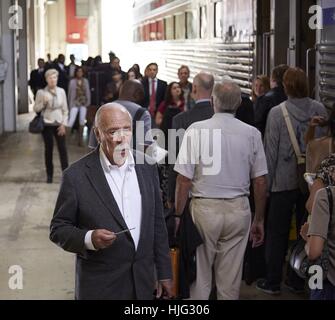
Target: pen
x=124, y=231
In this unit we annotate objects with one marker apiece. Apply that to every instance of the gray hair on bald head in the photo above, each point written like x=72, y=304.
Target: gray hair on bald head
x=112, y=107
x=227, y=96
x=205, y=81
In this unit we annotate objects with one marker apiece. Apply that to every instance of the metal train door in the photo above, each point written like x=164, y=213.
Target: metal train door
x=272, y=34
x=302, y=38
x=325, y=57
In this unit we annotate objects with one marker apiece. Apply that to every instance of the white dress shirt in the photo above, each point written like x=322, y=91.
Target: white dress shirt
x=124, y=186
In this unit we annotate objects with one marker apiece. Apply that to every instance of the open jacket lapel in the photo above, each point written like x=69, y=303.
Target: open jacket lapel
x=145, y=194
x=98, y=180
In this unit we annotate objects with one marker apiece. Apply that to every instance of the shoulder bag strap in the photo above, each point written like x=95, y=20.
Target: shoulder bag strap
x=293, y=138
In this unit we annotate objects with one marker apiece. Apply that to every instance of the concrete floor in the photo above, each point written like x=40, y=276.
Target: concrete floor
x=26, y=207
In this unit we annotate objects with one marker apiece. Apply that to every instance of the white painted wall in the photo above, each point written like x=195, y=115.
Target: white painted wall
x=117, y=36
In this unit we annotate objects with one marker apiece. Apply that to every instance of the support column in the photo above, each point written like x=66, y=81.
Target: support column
x=7, y=53
x=23, y=62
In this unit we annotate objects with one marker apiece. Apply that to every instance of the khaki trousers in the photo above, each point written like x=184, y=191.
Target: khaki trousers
x=224, y=226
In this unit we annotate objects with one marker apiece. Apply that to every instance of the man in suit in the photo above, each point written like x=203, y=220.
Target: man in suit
x=154, y=89
x=202, y=88
x=131, y=94
x=72, y=67
x=37, y=79
x=272, y=99
x=109, y=212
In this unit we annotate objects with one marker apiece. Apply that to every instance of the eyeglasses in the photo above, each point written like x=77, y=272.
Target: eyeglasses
x=117, y=134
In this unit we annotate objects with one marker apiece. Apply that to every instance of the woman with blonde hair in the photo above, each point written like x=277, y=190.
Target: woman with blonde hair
x=52, y=103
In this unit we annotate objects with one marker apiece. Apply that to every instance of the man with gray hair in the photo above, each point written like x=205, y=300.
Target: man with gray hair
x=109, y=212
x=220, y=189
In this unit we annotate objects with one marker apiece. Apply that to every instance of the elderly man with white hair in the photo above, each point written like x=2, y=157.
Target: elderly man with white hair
x=217, y=161
x=109, y=212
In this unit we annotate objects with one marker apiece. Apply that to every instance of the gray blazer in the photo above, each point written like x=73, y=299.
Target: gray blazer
x=72, y=92
x=85, y=202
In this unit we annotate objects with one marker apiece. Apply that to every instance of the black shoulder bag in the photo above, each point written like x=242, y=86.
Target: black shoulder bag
x=36, y=126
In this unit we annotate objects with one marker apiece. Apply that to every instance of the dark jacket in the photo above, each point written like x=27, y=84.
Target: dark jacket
x=160, y=93
x=85, y=202
x=264, y=105
x=189, y=240
x=245, y=112
x=37, y=81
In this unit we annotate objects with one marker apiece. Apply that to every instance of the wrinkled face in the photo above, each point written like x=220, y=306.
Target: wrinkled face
x=131, y=75
x=176, y=91
x=114, y=134
x=259, y=88
x=183, y=75
x=152, y=71
x=52, y=81
x=116, y=64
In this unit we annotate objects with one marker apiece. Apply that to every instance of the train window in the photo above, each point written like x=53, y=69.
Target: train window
x=147, y=32
x=153, y=31
x=180, y=24
x=160, y=30
x=203, y=22
x=191, y=27
x=218, y=14
x=169, y=28
x=142, y=32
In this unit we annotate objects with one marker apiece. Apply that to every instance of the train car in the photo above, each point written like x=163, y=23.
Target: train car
x=240, y=38
x=325, y=55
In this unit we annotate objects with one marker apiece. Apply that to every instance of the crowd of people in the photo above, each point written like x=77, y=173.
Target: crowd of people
x=247, y=203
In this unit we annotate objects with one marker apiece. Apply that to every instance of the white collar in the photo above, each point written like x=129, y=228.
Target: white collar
x=108, y=167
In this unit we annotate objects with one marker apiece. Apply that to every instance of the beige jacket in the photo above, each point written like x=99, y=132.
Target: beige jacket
x=54, y=107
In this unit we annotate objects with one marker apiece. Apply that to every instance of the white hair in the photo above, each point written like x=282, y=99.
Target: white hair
x=227, y=96
x=110, y=106
x=50, y=73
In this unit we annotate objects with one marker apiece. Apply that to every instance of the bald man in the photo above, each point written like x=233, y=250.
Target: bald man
x=109, y=213
x=131, y=95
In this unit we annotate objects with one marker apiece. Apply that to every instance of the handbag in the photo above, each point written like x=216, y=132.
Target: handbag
x=298, y=258
x=36, y=126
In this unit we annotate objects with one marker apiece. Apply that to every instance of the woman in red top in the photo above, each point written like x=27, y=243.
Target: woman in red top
x=172, y=105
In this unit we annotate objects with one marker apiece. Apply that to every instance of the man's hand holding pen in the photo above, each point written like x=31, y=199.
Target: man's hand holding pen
x=103, y=239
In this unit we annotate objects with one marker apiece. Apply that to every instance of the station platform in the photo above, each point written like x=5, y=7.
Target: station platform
x=26, y=208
